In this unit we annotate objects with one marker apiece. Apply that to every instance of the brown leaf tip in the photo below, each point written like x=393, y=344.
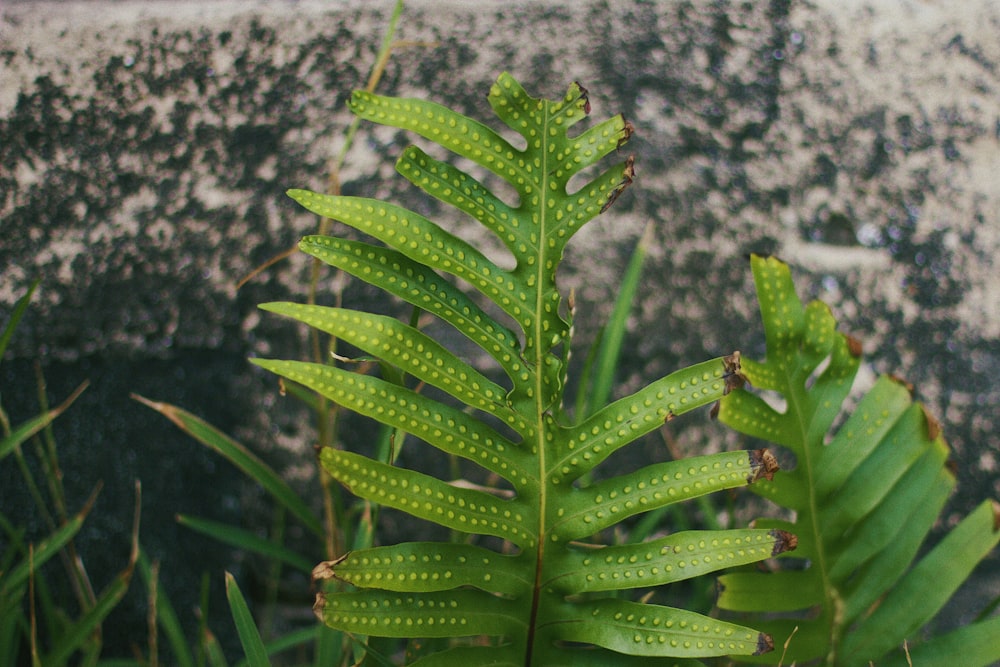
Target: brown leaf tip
x=996, y=515
x=627, y=132
x=320, y=605
x=783, y=541
x=324, y=570
x=762, y=464
x=933, y=425
x=900, y=380
x=854, y=346
x=764, y=644
x=628, y=175
x=585, y=96
x=732, y=373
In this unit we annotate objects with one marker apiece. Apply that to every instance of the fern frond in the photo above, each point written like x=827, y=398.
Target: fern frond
x=548, y=602
x=865, y=499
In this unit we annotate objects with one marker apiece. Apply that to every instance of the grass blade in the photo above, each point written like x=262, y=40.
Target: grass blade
x=253, y=646
x=81, y=634
x=246, y=541
x=212, y=650
x=614, y=331
x=291, y=640
x=166, y=618
x=36, y=424
x=239, y=456
x=15, y=317
x=46, y=550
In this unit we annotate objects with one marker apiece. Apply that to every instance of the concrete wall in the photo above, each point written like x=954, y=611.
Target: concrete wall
x=145, y=148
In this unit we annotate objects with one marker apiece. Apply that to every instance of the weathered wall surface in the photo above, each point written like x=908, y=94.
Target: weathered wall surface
x=145, y=148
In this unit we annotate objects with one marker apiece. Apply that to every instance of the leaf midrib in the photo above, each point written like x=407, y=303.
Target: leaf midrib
x=804, y=410
x=540, y=352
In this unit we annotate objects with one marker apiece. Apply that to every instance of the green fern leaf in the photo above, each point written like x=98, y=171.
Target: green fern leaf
x=548, y=602
x=408, y=349
x=426, y=566
x=865, y=499
x=648, y=630
x=413, y=282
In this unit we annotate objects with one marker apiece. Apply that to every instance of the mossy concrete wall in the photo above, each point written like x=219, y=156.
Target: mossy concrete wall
x=145, y=148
